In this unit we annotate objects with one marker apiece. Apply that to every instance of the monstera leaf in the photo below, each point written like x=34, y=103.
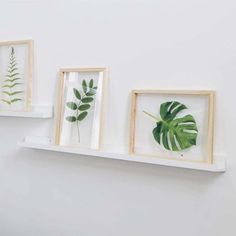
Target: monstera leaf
x=174, y=133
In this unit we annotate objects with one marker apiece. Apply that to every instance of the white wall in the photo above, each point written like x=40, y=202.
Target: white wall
x=187, y=44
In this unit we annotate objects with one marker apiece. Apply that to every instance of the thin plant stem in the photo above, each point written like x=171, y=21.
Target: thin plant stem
x=77, y=122
x=152, y=116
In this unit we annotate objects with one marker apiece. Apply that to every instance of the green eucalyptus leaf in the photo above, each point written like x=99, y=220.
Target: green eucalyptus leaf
x=82, y=116
x=87, y=100
x=84, y=86
x=91, y=92
x=77, y=93
x=71, y=118
x=175, y=134
x=84, y=107
x=91, y=83
x=71, y=105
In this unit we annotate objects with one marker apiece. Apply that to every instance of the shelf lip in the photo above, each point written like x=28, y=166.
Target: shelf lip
x=36, y=112
x=44, y=144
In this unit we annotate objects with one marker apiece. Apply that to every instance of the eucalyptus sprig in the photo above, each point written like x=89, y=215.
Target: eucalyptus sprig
x=85, y=99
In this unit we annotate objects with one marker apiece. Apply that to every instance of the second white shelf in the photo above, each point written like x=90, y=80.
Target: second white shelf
x=43, y=143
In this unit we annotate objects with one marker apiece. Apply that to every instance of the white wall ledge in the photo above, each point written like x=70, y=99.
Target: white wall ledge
x=36, y=112
x=43, y=143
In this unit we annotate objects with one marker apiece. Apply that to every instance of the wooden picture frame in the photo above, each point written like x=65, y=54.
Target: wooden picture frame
x=99, y=104
x=26, y=76
x=210, y=101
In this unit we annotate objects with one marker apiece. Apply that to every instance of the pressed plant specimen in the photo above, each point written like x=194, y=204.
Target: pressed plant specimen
x=85, y=97
x=174, y=133
x=12, y=81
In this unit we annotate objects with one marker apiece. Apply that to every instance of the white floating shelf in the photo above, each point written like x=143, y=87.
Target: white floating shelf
x=36, y=112
x=43, y=143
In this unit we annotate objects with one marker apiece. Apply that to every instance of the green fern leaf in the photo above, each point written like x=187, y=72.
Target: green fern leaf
x=16, y=100
x=91, y=83
x=71, y=118
x=71, y=105
x=77, y=93
x=11, y=86
x=12, y=93
x=82, y=116
x=11, y=80
x=11, y=70
x=84, y=107
x=6, y=101
x=87, y=100
x=84, y=86
x=12, y=75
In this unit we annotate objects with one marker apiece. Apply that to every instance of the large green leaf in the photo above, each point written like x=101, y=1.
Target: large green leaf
x=173, y=133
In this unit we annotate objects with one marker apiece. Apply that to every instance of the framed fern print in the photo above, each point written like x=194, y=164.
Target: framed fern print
x=172, y=124
x=80, y=107
x=16, y=59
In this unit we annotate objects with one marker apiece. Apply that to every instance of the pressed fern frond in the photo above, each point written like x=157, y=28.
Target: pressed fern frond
x=11, y=86
x=12, y=93
x=10, y=82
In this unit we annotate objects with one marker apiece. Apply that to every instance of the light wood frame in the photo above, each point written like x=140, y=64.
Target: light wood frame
x=60, y=96
x=211, y=104
x=29, y=75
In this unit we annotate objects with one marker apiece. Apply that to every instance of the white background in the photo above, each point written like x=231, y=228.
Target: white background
x=187, y=44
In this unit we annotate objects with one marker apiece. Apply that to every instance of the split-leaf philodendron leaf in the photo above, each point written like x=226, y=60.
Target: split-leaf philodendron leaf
x=174, y=133
x=84, y=99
